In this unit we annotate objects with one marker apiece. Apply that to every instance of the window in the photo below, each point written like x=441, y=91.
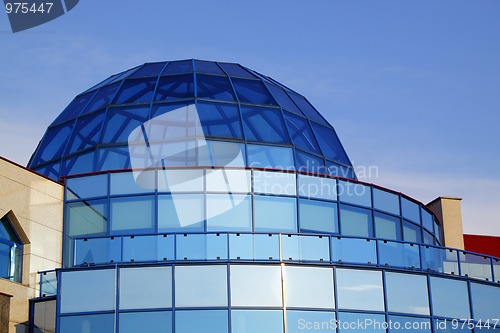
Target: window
x=132, y=215
x=228, y=181
x=180, y=212
x=405, y=299
x=410, y=210
x=11, y=252
x=310, y=321
x=245, y=321
x=229, y=212
x=200, y=286
x=387, y=227
x=411, y=232
x=256, y=286
x=355, y=193
x=386, y=201
x=320, y=216
x=126, y=182
x=317, y=187
x=361, y=251
x=450, y=298
x=274, y=183
x=83, y=291
x=100, y=323
x=355, y=221
x=206, y=321
x=275, y=213
x=145, y=288
x=309, y=287
x=360, y=290
x=86, y=187
x=348, y=322
x=177, y=181
x=485, y=302
x=411, y=324
x=267, y=157
x=150, y=322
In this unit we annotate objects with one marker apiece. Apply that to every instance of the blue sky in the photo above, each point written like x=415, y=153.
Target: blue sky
x=412, y=87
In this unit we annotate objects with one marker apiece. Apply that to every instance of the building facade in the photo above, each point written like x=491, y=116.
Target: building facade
x=206, y=197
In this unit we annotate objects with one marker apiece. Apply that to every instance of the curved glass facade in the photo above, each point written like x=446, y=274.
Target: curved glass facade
x=189, y=113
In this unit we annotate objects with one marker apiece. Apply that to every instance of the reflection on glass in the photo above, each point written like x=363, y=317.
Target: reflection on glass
x=145, y=288
x=410, y=324
x=274, y=183
x=206, y=321
x=439, y=260
x=386, y=201
x=476, y=266
x=360, y=289
x=310, y=321
x=310, y=287
x=86, y=218
x=427, y=219
x=86, y=187
x=181, y=212
x=151, y=322
x=450, y=298
x=200, y=286
x=485, y=302
x=447, y=326
x=410, y=210
x=275, y=213
x=79, y=290
x=201, y=246
x=355, y=221
x=411, y=232
x=126, y=183
x=319, y=216
x=305, y=248
x=375, y=320
x=355, y=193
x=254, y=246
x=101, y=323
x=229, y=212
x=361, y=251
x=398, y=254
x=270, y=157
x=256, y=286
x=228, y=181
x=97, y=250
x=401, y=298
x=178, y=181
x=317, y=187
x=132, y=215
x=387, y=227
x=245, y=321
x=148, y=248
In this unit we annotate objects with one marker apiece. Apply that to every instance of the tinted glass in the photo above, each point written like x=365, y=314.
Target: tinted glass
x=398, y=254
x=402, y=299
x=355, y=193
x=386, y=201
x=200, y=286
x=264, y=125
x=245, y=321
x=275, y=213
x=136, y=91
x=126, y=183
x=254, y=246
x=207, y=321
x=349, y=322
x=132, y=215
x=310, y=287
x=426, y=219
x=310, y=321
x=176, y=67
x=171, y=88
x=251, y=91
x=103, y=97
x=410, y=324
x=201, y=246
x=220, y=120
x=151, y=322
x=122, y=121
x=146, y=287
x=307, y=108
x=86, y=218
x=101, y=323
x=207, y=67
x=86, y=187
x=256, y=286
x=330, y=144
x=450, y=298
x=317, y=187
x=387, y=227
x=270, y=157
x=411, y=232
x=86, y=133
x=301, y=133
x=354, y=250
x=180, y=212
x=177, y=181
x=229, y=212
x=228, y=181
x=151, y=69
x=485, y=302
x=320, y=216
x=410, y=210
x=355, y=221
x=274, y=183
x=360, y=289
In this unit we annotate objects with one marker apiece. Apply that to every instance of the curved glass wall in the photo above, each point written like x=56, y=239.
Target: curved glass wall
x=189, y=113
x=202, y=200
x=271, y=298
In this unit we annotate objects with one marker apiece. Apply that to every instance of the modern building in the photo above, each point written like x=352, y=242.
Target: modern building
x=196, y=196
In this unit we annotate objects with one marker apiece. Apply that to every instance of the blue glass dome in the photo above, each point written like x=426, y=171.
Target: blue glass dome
x=189, y=113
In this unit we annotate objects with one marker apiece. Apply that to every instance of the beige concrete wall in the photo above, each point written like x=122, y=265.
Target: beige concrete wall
x=449, y=213
x=34, y=205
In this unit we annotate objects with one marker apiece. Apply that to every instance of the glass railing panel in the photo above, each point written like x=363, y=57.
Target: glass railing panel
x=398, y=254
x=48, y=284
x=266, y=247
x=254, y=247
x=148, y=248
x=354, y=250
x=305, y=248
x=439, y=260
x=496, y=269
x=241, y=247
x=475, y=266
x=97, y=250
x=201, y=247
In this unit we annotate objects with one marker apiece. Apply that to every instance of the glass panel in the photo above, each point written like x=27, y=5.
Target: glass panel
x=171, y=88
x=200, y=286
x=476, y=266
x=246, y=321
x=145, y=288
x=307, y=108
x=318, y=216
x=181, y=212
x=266, y=157
x=305, y=248
x=309, y=287
x=86, y=187
x=86, y=218
x=362, y=251
x=410, y=210
x=226, y=154
x=251, y=91
x=283, y=99
x=86, y=133
x=150, y=322
x=450, y=298
x=317, y=187
x=448, y=326
x=44, y=317
x=386, y=201
x=496, y=269
x=387, y=226
x=275, y=213
x=301, y=133
x=228, y=181
x=398, y=254
x=336, y=170
x=98, y=250
x=201, y=246
x=117, y=158
x=53, y=143
x=220, y=120
x=349, y=322
x=74, y=108
x=274, y=183
x=79, y=164
x=229, y=212
x=176, y=67
x=310, y=321
x=148, y=248
x=48, y=284
x=256, y=286
x=207, y=67
x=360, y=289
x=355, y=221
x=305, y=162
x=151, y=69
x=426, y=219
x=5, y=261
x=132, y=215
x=177, y=181
x=428, y=238
x=102, y=99
x=409, y=324
x=236, y=70
x=264, y=125
x=136, y=91
x=411, y=232
x=485, y=302
x=101, y=323
x=254, y=246
x=122, y=121
x=355, y=193
x=439, y=260
x=126, y=183
x=79, y=290
x=206, y=321
x=401, y=298
x=330, y=143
